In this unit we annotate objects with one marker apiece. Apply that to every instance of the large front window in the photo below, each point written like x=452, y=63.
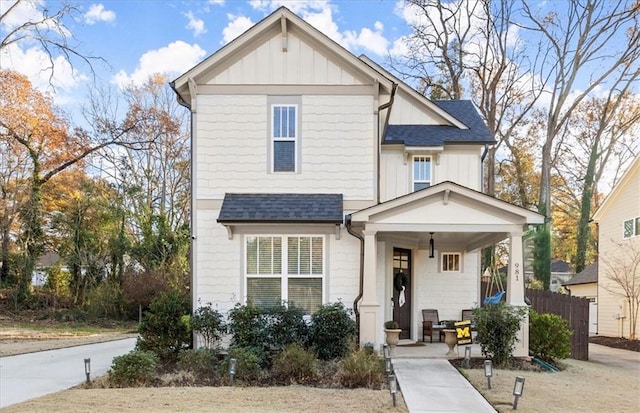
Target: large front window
x=298, y=282
x=421, y=172
x=284, y=133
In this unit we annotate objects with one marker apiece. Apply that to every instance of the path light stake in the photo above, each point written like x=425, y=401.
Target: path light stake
x=488, y=372
x=467, y=356
x=518, y=388
x=393, y=388
x=232, y=369
x=87, y=369
x=387, y=366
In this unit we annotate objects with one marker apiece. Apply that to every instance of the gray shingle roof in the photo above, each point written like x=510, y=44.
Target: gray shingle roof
x=309, y=208
x=438, y=135
x=586, y=276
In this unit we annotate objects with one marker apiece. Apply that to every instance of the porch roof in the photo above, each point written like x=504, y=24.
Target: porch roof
x=456, y=215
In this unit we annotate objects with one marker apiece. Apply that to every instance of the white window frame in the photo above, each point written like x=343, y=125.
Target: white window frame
x=443, y=259
x=285, y=276
x=293, y=139
x=415, y=181
x=635, y=228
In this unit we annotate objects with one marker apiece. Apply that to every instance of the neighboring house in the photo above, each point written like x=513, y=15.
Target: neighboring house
x=560, y=272
x=39, y=274
x=618, y=220
x=585, y=284
x=320, y=177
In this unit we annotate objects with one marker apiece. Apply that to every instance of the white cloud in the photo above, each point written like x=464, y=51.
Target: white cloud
x=217, y=2
x=175, y=58
x=237, y=25
x=36, y=65
x=195, y=24
x=97, y=13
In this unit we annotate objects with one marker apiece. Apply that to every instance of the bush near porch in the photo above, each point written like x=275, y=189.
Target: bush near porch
x=271, y=347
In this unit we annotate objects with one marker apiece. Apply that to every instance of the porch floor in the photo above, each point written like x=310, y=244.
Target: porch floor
x=429, y=383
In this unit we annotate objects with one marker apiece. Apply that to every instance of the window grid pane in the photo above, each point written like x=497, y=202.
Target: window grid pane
x=451, y=262
x=264, y=292
x=628, y=228
x=252, y=255
x=421, y=172
x=305, y=293
x=316, y=256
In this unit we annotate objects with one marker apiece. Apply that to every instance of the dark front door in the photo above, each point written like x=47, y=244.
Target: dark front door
x=402, y=297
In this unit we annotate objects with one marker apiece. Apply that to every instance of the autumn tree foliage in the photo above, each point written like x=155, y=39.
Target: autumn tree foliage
x=41, y=137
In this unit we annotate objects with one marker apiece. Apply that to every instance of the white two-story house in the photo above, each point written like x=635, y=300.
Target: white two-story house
x=320, y=177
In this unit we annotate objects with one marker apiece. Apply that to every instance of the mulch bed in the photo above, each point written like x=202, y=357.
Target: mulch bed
x=616, y=342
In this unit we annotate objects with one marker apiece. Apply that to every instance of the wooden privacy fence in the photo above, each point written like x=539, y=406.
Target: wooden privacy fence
x=573, y=309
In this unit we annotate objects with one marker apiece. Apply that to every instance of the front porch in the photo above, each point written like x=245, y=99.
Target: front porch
x=422, y=251
x=409, y=349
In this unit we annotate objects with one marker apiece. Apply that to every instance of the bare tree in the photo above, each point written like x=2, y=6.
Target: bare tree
x=596, y=40
x=622, y=270
x=603, y=138
x=45, y=27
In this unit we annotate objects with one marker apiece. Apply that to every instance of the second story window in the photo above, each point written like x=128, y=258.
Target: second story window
x=284, y=134
x=421, y=172
x=631, y=228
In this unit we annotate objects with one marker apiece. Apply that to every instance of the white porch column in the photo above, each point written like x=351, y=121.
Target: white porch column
x=515, y=291
x=369, y=305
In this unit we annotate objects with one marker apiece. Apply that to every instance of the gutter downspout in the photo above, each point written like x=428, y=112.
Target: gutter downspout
x=388, y=105
x=356, y=312
x=183, y=103
x=484, y=155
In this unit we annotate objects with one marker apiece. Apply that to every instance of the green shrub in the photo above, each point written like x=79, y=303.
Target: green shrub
x=163, y=329
x=295, y=364
x=248, y=363
x=549, y=336
x=133, y=369
x=202, y=362
x=209, y=323
x=362, y=368
x=271, y=329
x=498, y=325
x=332, y=329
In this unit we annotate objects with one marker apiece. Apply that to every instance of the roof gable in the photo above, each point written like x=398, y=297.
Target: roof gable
x=448, y=202
x=630, y=177
x=280, y=27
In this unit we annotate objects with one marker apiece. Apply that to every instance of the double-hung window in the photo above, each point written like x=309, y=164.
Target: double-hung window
x=284, y=135
x=421, y=172
x=286, y=268
x=631, y=228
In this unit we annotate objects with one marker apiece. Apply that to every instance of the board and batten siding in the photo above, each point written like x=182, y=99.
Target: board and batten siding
x=625, y=205
x=336, y=137
x=301, y=64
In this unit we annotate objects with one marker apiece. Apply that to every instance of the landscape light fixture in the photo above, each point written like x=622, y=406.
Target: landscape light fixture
x=488, y=371
x=232, y=369
x=431, y=246
x=518, y=388
x=467, y=356
x=87, y=369
x=393, y=388
x=387, y=366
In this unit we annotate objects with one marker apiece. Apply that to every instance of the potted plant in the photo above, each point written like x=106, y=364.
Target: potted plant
x=450, y=336
x=392, y=333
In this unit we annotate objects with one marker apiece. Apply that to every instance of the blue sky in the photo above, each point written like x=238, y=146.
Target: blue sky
x=139, y=38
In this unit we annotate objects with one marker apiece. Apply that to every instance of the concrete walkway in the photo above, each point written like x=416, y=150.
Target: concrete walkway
x=28, y=376
x=434, y=385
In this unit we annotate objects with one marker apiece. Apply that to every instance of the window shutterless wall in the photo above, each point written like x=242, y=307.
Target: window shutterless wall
x=284, y=101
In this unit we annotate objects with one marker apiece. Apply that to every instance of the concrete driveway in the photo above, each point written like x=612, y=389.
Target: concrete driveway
x=623, y=359
x=32, y=375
